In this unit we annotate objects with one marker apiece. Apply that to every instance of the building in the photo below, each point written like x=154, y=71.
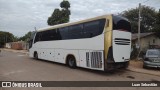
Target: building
x=147, y=40
x=8, y=45
x=20, y=45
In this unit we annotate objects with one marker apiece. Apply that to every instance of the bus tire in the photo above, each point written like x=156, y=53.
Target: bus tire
x=71, y=62
x=36, y=55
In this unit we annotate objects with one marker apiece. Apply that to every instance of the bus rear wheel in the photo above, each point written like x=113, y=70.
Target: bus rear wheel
x=71, y=61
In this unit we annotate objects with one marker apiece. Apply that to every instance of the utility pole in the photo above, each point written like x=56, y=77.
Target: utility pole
x=139, y=30
x=35, y=28
x=139, y=24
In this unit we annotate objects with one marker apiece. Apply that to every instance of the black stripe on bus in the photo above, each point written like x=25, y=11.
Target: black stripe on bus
x=122, y=43
x=122, y=39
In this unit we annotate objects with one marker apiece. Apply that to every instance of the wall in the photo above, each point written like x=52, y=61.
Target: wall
x=147, y=41
x=17, y=45
x=8, y=45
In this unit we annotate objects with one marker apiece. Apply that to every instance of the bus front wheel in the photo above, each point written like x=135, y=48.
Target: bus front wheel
x=71, y=61
x=36, y=55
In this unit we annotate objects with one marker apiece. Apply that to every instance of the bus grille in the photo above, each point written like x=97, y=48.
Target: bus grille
x=87, y=59
x=122, y=41
x=94, y=59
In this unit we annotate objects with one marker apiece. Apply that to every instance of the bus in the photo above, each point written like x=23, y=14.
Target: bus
x=100, y=43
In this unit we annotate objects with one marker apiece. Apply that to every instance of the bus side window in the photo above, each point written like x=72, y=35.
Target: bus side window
x=75, y=31
x=58, y=35
x=91, y=29
x=94, y=28
x=63, y=32
x=44, y=36
x=52, y=35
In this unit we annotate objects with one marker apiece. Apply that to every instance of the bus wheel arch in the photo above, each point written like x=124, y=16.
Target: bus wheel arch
x=71, y=61
x=35, y=55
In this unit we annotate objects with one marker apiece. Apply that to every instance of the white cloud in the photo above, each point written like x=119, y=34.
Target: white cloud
x=21, y=16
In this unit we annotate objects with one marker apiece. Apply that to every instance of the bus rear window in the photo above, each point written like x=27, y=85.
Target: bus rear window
x=120, y=23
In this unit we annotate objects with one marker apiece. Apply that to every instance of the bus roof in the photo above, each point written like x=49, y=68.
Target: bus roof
x=72, y=23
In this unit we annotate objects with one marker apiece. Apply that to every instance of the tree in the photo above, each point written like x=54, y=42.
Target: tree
x=6, y=37
x=60, y=16
x=26, y=37
x=148, y=18
x=157, y=25
x=65, y=4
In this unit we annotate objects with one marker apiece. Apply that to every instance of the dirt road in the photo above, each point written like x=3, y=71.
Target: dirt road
x=19, y=67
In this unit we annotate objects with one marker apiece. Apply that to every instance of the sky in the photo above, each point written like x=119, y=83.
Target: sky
x=21, y=16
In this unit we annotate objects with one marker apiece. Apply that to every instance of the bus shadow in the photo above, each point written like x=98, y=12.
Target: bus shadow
x=103, y=73
x=152, y=68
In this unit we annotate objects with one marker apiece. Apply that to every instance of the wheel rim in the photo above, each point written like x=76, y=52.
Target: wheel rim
x=71, y=62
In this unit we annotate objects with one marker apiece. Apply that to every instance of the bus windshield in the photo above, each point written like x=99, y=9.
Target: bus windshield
x=120, y=23
x=31, y=39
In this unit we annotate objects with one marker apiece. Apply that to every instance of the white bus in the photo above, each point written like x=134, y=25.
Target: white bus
x=100, y=43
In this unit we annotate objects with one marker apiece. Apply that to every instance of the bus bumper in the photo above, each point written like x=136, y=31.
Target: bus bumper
x=118, y=65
